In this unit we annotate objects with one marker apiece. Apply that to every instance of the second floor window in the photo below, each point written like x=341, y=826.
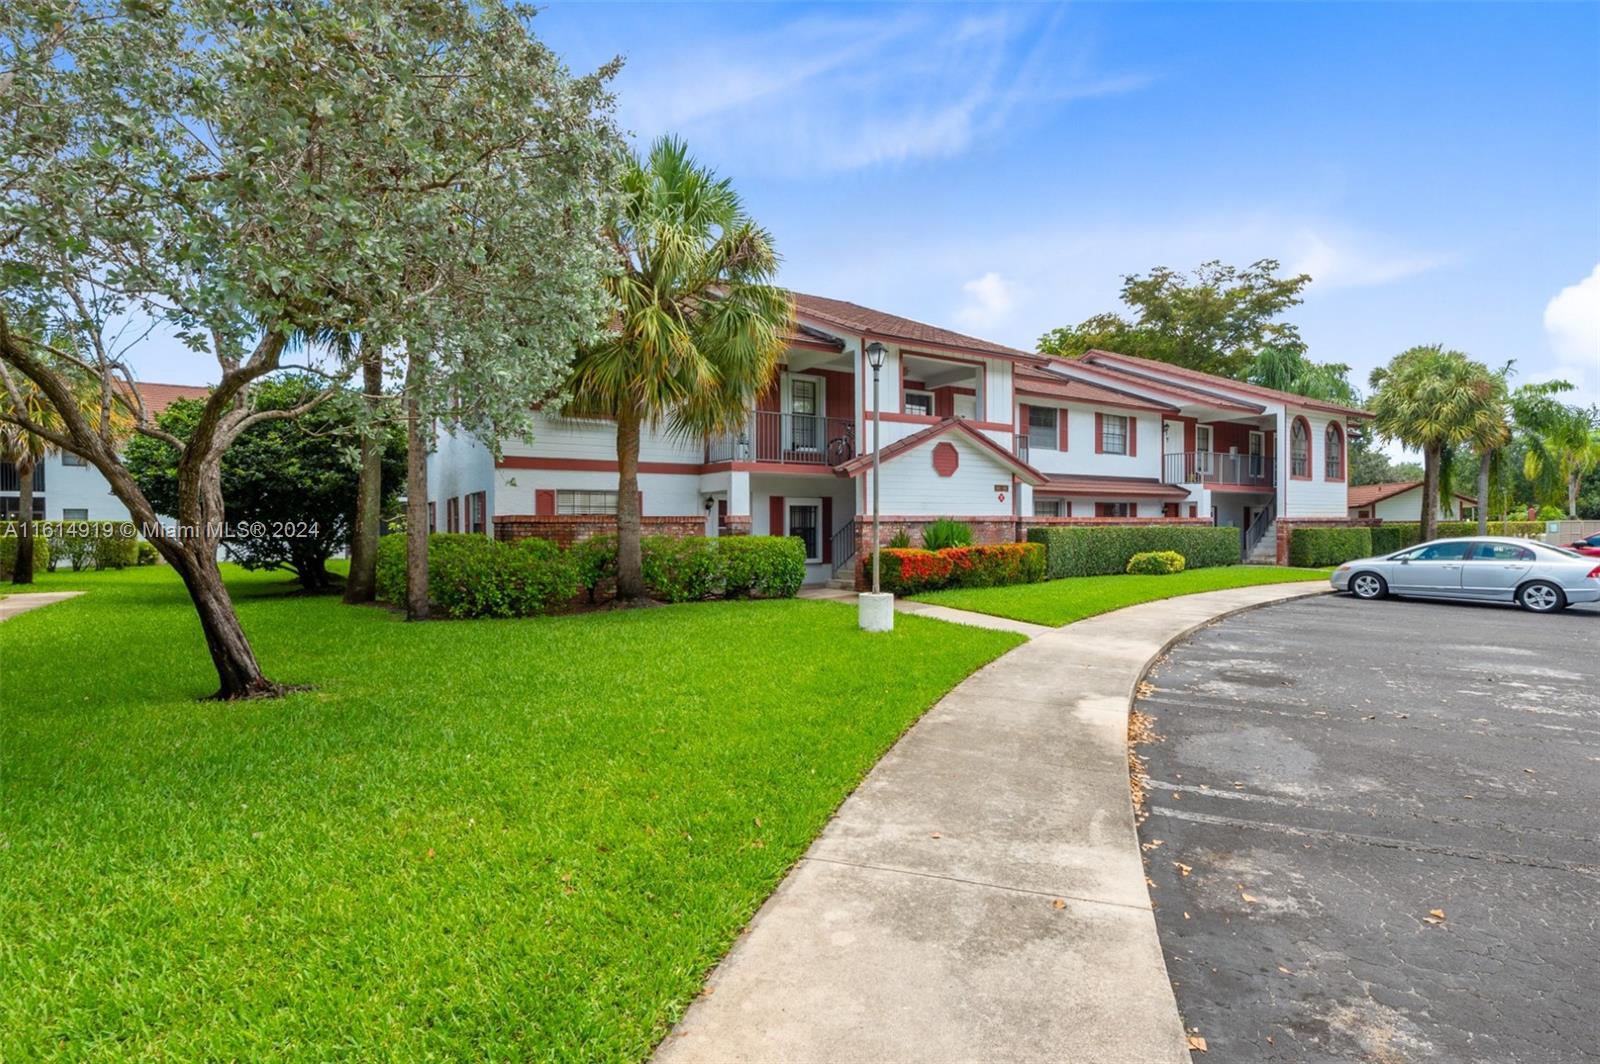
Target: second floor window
x=70, y=459
x=1299, y=449
x=1042, y=428
x=1113, y=434
x=919, y=403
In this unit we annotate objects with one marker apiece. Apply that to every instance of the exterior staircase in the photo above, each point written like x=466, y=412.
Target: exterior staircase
x=1265, y=552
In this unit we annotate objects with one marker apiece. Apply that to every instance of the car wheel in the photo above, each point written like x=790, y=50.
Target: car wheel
x=1368, y=586
x=1540, y=597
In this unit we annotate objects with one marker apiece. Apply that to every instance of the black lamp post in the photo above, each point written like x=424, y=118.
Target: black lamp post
x=875, y=353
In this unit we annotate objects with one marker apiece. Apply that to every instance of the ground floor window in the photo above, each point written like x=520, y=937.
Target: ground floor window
x=1115, y=509
x=78, y=513
x=1046, y=507
x=477, y=507
x=452, y=514
x=805, y=524
x=10, y=506
x=586, y=502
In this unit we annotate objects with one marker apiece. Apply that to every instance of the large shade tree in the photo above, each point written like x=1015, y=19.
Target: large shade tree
x=1435, y=399
x=700, y=328
x=247, y=173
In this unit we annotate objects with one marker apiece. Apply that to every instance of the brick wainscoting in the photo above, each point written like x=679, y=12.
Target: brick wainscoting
x=567, y=529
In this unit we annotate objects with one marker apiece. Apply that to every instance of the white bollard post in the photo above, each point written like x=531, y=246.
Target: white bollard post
x=876, y=611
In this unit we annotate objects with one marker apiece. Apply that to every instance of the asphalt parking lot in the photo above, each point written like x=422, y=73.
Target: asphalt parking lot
x=1374, y=832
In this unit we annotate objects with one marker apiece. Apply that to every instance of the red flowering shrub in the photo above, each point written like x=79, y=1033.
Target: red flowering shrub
x=909, y=571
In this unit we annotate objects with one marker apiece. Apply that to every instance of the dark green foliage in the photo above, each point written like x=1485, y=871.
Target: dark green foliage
x=1317, y=547
x=768, y=566
x=596, y=561
x=146, y=553
x=1397, y=535
x=681, y=568
x=470, y=575
x=8, y=550
x=901, y=540
x=1101, y=550
x=288, y=485
x=1156, y=563
x=946, y=533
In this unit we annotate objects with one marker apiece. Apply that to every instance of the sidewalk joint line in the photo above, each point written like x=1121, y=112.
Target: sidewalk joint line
x=977, y=883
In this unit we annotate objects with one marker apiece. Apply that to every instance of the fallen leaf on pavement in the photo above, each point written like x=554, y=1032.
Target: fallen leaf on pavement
x=1197, y=1043
x=1182, y=868
x=1436, y=912
x=935, y=835
x=1059, y=903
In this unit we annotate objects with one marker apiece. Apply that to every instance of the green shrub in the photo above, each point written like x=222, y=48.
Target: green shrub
x=8, y=550
x=147, y=553
x=944, y=532
x=116, y=544
x=768, y=566
x=681, y=568
x=901, y=540
x=595, y=560
x=1156, y=563
x=1313, y=548
x=1551, y=513
x=471, y=575
x=1101, y=550
x=390, y=578
x=70, y=543
x=908, y=571
x=1397, y=535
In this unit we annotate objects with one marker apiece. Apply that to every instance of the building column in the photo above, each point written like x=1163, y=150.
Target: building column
x=738, y=503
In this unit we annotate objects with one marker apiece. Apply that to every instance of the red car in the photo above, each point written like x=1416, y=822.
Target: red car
x=1589, y=545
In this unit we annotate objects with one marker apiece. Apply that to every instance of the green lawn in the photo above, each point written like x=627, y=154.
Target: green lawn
x=473, y=840
x=1058, y=602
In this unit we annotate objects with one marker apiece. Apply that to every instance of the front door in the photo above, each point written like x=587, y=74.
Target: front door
x=1432, y=568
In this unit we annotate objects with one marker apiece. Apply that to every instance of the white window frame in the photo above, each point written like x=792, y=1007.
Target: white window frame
x=1105, y=423
x=920, y=392
x=70, y=459
x=66, y=514
x=1202, y=452
x=816, y=504
x=1055, y=504
x=567, y=502
x=1054, y=442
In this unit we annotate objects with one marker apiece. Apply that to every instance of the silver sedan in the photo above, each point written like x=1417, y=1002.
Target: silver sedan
x=1537, y=576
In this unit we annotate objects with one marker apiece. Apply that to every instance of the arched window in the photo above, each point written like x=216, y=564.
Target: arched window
x=1300, y=449
x=1333, y=441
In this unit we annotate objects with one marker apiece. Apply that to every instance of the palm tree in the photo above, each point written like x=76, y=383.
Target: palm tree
x=699, y=328
x=1489, y=438
x=25, y=450
x=1563, y=447
x=1433, y=399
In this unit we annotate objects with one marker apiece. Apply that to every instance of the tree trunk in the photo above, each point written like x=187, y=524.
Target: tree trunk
x=362, y=585
x=22, y=570
x=416, y=501
x=1483, y=493
x=630, y=560
x=1430, y=493
x=1574, y=480
x=238, y=674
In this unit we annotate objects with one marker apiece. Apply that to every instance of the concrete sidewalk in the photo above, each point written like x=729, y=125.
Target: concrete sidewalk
x=981, y=895
x=939, y=613
x=16, y=605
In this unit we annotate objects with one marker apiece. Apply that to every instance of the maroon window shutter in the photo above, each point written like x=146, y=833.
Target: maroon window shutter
x=1099, y=429
x=1102, y=509
x=1022, y=420
x=1133, y=437
x=775, y=515
x=826, y=532
x=1061, y=425
x=1069, y=509
x=544, y=502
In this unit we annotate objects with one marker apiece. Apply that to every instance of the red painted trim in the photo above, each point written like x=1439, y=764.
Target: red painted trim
x=1334, y=426
x=861, y=463
x=1099, y=433
x=967, y=353
x=1062, y=418
x=946, y=459
x=1311, y=451
x=817, y=345
x=1133, y=437
x=922, y=419
x=594, y=465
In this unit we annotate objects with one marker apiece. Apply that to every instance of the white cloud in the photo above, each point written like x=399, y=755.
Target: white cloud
x=1341, y=259
x=1572, y=321
x=990, y=300
x=842, y=93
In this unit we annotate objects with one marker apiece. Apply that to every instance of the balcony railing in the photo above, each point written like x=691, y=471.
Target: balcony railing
x=1212, y=467
x=9, y=481
x=792, y=439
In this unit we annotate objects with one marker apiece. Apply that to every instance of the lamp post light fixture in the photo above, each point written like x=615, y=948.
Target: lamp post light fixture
x=875, y=610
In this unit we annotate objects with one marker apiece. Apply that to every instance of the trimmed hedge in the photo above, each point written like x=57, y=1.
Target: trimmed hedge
x=8, y=550
x=1397, y=535
x=1102, y=550
x=911, y=570
x=1156, y=563
x=1314, y=548
x=470, y=575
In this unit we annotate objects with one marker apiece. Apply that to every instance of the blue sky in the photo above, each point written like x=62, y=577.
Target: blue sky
x=1435, y=168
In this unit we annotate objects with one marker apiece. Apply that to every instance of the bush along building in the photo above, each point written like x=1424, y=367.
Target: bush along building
x=1001, y=439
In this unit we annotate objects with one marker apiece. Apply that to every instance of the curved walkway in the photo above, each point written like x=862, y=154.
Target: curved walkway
x=18, y=604
x=981, y=895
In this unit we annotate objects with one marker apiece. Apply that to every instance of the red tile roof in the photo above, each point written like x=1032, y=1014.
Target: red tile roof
x=1176, y=391
x=1367, y=494
x=1183, y=373
x=1042, y=382
x=157, y=397
x=1110, y=487
x=865, y=320
x=863, y=462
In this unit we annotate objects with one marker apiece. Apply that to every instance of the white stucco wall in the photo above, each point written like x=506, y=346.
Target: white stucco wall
x=1317, y=497
x=1080, y=456
x=1407, y=506
x=911, y=486
x=81, y=488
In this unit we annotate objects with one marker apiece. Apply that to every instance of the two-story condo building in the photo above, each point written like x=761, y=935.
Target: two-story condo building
x=992, y=435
